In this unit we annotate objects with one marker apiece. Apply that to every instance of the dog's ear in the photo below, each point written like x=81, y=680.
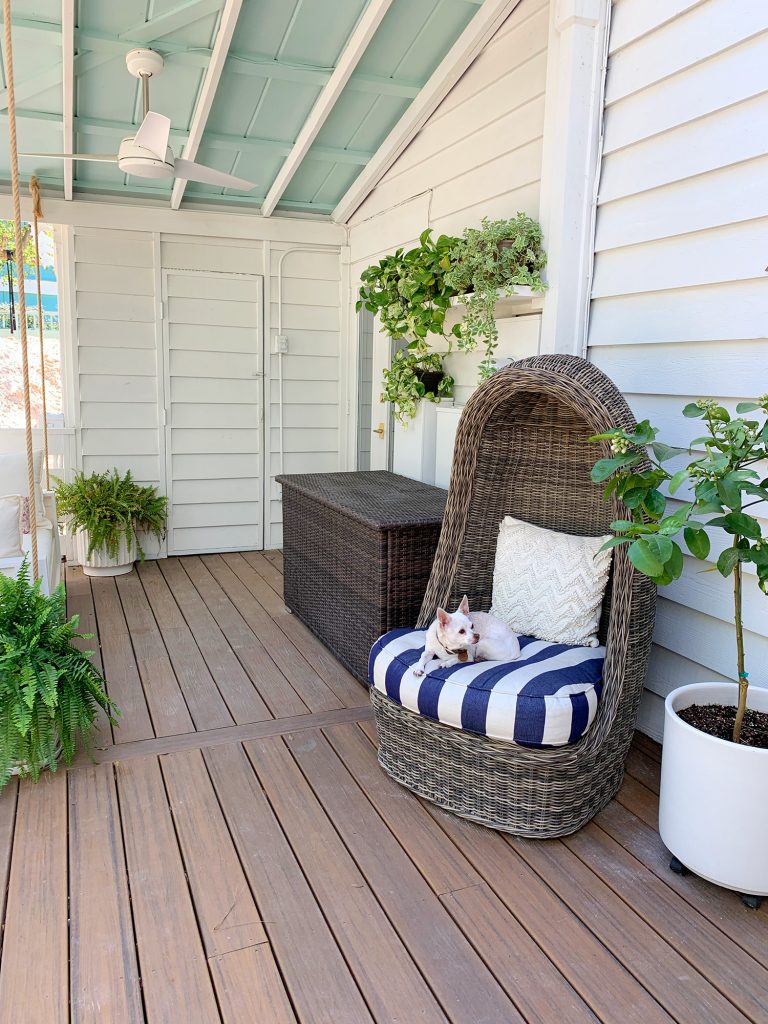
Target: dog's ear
x=443, y=617
x=464, y=606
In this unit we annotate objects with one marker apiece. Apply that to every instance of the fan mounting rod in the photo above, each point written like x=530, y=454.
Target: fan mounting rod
x=143, y=64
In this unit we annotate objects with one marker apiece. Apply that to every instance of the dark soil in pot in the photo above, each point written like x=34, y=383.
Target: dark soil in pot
x=717, y=720
x=430, y=379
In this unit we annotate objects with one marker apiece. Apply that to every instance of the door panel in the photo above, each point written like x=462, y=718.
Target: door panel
x=214, y=391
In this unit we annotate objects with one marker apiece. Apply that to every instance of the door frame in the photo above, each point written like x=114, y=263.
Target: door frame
x=165, y=408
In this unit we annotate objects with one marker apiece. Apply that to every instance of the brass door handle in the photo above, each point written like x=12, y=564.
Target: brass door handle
x=379, y=430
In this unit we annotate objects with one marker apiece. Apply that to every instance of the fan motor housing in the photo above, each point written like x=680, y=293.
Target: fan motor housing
x=144, y=62
x=133, y=159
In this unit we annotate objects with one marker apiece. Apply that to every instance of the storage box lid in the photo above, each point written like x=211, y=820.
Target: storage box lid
x=377, y=498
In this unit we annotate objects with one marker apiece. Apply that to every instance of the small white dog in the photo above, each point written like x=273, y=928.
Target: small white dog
x=466, y=636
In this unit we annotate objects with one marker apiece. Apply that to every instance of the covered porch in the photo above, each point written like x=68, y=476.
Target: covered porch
x=236, y=854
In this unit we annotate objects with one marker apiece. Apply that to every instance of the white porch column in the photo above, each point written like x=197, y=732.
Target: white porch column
x=576, y=61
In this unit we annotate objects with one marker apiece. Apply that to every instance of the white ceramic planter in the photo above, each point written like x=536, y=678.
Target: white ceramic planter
x=99, y=563
x=713, y=805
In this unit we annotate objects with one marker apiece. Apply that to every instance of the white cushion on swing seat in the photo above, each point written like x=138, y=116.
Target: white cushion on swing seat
x=14, y=480
x=10, y=526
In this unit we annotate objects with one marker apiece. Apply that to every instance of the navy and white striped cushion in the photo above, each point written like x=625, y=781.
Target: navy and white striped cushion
x=547, y=698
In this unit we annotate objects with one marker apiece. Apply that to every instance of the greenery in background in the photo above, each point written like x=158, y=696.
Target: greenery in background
x=494, y=257
x=403, y=385
x=408, y=291
x=8, y=241
x=108, y=507
x=50, y=692
x=724, y=484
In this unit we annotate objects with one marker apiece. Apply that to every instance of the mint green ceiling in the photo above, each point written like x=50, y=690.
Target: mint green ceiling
x=282, y=54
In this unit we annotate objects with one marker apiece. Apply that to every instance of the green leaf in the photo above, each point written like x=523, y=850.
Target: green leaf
x=662, y=548
x=692, y=411
x=620, y=525
x=697, y=541
x=655, y=503
x=614, y=542
x=604, y=468
x=645, y=559
x=728, y=561
x=739, y=523
x=729, y=492
x=634, y=497
x=677, y=480
x=747, y=407
x=674, y=564
x=664, y=452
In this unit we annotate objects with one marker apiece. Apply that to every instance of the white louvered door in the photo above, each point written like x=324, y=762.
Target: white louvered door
x=214, y=401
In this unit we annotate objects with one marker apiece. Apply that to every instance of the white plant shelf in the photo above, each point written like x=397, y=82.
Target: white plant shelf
x=522, y=301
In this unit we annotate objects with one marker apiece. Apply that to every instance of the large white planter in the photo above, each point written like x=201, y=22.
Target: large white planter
x=99, y=563
x=713, y=806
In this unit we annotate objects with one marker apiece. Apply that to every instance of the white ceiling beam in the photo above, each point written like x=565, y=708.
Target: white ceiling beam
x=490, y=15
x=353, y=51
x=68, y=88
x=229, y=16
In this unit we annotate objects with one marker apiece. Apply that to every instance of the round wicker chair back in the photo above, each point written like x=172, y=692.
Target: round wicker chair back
x=522, y=449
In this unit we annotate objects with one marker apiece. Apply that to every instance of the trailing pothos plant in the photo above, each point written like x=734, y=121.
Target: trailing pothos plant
x=108, y=507
x=724, y=484
x=50, y=691
x=496, y=257
x=411, y=377
x=408, y=290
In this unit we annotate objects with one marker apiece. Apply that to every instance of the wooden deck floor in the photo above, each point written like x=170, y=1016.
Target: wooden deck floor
x=237, y=855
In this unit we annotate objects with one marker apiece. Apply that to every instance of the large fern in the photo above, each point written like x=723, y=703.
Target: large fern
x=108, y=507
x=50, y=691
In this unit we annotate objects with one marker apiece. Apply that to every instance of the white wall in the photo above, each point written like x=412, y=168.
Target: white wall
x=478, y=155
x=679, y=293
x=113, y=299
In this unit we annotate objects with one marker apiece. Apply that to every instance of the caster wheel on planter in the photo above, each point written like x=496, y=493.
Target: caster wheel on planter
x=678, y=867
x=753, y=902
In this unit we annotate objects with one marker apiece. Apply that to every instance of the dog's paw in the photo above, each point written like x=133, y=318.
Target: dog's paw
x=418, y=671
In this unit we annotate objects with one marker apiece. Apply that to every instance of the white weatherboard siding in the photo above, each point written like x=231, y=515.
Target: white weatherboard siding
x=679, y=305
x=183, y=404
x=478, y=155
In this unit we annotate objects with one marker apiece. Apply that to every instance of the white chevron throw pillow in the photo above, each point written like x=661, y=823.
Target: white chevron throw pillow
x=548, y=584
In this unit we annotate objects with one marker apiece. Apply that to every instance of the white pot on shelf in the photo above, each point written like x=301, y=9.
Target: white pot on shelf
x=713, y=804
x=99, y=563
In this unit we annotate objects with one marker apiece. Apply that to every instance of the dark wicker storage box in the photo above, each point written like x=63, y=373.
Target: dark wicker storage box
x=358, y=551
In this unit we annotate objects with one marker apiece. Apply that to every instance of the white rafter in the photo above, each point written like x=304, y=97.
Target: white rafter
x=68, y=88
x=229, y=16
x=491, y=14
x=353, y=51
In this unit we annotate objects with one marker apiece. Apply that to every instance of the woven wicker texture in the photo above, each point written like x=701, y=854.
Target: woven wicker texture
x=358, y=551
x=522, y=450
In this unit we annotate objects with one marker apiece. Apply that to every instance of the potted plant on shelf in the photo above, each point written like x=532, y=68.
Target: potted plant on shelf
x=50, y=691
x=486, y=263
x=713, y=814
x=106, y=512
x=414, y=376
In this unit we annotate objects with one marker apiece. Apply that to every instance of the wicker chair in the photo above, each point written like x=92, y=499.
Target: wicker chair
x=522, y=450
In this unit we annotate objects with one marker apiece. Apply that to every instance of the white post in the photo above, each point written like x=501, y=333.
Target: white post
x=572, y=143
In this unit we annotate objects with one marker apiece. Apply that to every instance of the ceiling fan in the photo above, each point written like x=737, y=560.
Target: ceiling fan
x=147, y=153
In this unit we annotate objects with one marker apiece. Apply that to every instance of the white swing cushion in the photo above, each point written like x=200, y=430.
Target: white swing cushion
x=14, y=480
x=10, y=526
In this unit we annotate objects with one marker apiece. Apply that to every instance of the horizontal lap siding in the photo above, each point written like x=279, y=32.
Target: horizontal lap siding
x=679, y=308
x=115, y=309
x=478, y=155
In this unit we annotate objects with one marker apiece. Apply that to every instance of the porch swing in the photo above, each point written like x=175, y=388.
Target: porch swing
x=522, y=451
x=26, y=505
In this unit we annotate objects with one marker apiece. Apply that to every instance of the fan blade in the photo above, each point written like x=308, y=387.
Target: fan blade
x=102, y=158
x=209, y=176
x=153, y=134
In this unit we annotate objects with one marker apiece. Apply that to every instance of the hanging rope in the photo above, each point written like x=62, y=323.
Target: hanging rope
x=37, y=213
x=8, y=48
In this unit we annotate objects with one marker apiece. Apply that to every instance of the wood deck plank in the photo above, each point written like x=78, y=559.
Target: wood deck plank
x=466, y=989
x=227, y=916
x=174, y=972
x=241, y=696
x=299, y=673
x=279, y=696
x=8, y=800
x=319, y=982
x=170, y=654
x=266, y=570
x=275, y=556
x=104, y=972
x=656, y=965
x=348, y=690
x=120, y=668
x=357, y=920
x=249, y=987
x=34, y=972
x=80, y=603
x=742, y=981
